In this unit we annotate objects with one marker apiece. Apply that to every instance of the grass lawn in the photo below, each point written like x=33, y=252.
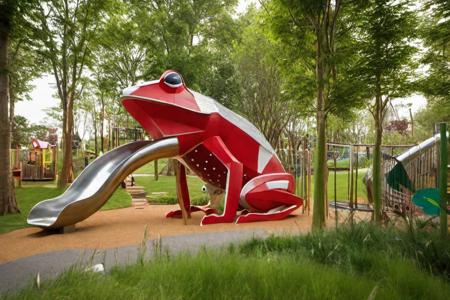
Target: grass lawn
x=150, y=167
x=167, y=185
x=354, y=263
x=342, y=185
x=34, y=192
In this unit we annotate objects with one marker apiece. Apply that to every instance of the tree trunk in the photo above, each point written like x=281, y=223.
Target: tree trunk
x=376, y=166
x=168, y=170
x=102, y=126
x=156, y=176
x=94, y=119
x=320, y=165
x=412, y=122
x=11, y=117
x=66, y=171
x=376, y=182
x=320, y=187
x=7, y=195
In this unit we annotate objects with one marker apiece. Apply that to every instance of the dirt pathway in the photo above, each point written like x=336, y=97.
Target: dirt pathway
x=124, y=227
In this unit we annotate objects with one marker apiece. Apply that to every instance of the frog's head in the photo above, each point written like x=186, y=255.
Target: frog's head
x=165, y=107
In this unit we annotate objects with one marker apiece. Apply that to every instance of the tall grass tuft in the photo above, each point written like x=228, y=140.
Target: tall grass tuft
x=361, y=261
x=221, y=275
x=361, y=248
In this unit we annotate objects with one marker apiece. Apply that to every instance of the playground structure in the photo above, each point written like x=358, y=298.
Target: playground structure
x=36, y=163
x=219, y=146
x=354, y=159
x=414, y=170
x=298, y=161
x=406, y=169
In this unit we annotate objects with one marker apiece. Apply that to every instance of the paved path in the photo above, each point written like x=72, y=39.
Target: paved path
x=22, y=272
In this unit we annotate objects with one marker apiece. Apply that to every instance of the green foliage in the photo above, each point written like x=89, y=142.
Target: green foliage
x=192, y=37
x=257, y=58
x=384, y=39
x=384, y=66
x=434, y=112
x=363, y=249
x=25, y=131
x=435, y=31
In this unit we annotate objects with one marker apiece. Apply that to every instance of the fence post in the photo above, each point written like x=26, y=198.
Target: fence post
x=443, y=179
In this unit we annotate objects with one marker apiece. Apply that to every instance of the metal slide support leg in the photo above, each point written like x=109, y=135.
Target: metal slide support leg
x=182, y=189
x=182, y=194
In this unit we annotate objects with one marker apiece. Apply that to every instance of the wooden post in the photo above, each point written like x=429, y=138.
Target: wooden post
x=356, y=178
x=21, y=174
x=351, y=178
x=443, y=179
x=305, y=172
x=308, y=192
x=335, y=189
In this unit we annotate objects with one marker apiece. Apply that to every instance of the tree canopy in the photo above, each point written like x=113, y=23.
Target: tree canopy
x=328, y=69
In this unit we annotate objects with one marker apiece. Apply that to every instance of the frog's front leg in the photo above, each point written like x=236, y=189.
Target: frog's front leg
x=182, y=192
x=233, y=183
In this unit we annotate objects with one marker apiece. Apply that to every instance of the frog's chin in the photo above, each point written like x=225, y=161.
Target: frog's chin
x=161, y=119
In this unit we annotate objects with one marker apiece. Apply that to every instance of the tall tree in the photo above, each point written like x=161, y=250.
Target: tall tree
x=385, y=67
x=66, y=31
x=191, y=37
x=311, y=26
x=24, y=62
x=8, y=8
x=261, y=100
x=120, y=59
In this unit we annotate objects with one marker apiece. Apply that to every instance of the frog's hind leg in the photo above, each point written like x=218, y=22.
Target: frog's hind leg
x=269, y=197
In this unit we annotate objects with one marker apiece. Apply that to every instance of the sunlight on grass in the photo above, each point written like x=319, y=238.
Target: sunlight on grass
x=150, y=167
x=164, y=190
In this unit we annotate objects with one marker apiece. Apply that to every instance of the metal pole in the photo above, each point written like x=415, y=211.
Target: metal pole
x=335, y=189
x=356, y=176
x=351, y=178
x=443, y=179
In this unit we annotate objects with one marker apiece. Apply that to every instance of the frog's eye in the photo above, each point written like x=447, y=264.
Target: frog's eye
x=173, y=80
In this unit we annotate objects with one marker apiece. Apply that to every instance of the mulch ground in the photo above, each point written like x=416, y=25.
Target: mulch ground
x=123, y=227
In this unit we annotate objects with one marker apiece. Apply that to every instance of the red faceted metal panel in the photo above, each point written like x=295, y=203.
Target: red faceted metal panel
x=219, y=146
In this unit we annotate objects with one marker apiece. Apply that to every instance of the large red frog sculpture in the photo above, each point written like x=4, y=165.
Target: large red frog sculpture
x=219, y=146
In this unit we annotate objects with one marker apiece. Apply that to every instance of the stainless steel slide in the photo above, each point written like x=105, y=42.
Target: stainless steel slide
x=93, y=187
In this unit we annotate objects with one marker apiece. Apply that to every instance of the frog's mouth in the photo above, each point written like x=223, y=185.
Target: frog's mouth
x=161, y=119
x=164, y=107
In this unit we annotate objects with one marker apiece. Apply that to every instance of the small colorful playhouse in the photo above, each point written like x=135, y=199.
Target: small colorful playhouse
x=39, y=162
